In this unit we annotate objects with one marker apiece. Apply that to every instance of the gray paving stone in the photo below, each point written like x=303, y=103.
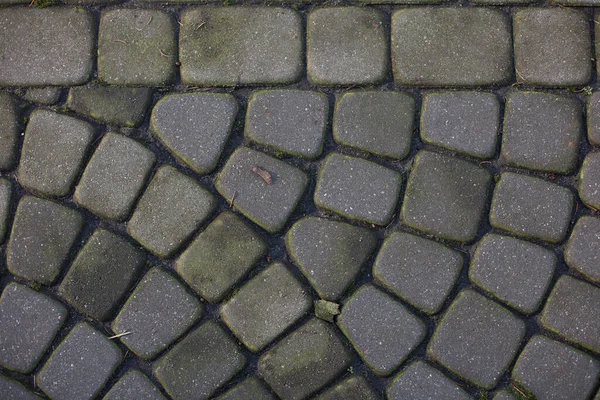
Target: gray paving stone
x=220, y=256
x=581, y=252
x=43, y=95
x=399, y=267
x=465, y=122
x=114, y=177
x=593, y=118
x=553, y=47
x=505, y=395
x=29, y=321
x=231, y=46
x=53, y=151
x=451, y=47
x=290, y=121
x=249, y=388
x=445, y=197
x=552, y=370
x=134, y=385
x=382, y=331
x=353, y=388
x=516, y=272
x=6, y=191
x=381, y=123
x=136, y=47
x=199, y=364
x=346, y=45
x=104, y=270
x=13, y=390
x=477, y=339
x=419, y=381
x=158, y=311
x=170, y=210
x=269, y=205
x=501, y=2
x=573, y=312
x=53, y=46
x=589, y=180
x=326, y=310
x=304, y=361
x=42, y=236
x=195, y=126
x=542, y=132
x=531, y=207
x=9, y=128
x=329, y=253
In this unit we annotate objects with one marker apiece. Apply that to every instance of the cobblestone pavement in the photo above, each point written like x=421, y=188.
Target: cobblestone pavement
x=343, y=200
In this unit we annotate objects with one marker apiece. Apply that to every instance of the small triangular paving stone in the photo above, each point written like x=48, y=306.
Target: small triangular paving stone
x=43, y=95
x=6, y=194
x=134, y=385
x=589, y=180
x=9, y=131
x=13, y=390
x=419, y=381
x=250, y=388
x=354, y=388
x=581, y=252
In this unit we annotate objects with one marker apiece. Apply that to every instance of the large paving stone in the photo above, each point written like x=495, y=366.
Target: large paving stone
x=43, y=95
x=353, y=388
x=195, y=126
x=6, y=194
x=593, y=117
x=134, y=385
x=581, y=252
x=53, y=46
x=329, y=253
x=13, y=390
x=419, y=381
x=589, y=180
x=231, y=46
x=9, y=131
x=451, y=47
x=249, y=388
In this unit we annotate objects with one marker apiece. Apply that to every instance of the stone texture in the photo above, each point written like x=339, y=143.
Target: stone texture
x=581, y=252
x=13, y=390
x=353, y=388
x=419, y=381
x=589, y=180
x=134, y=385
x=249, y=388
x=326, y=310
x=593, y=117
x=505, y=395
x=6, y=194
x=9, y=131
x=43, y=95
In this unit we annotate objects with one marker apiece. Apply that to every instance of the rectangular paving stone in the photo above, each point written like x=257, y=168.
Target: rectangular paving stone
x=419, y=381
x=9, y=131
x=6, y=194
x=593, y=118
x=134, y=385
x=581, y=252
x=353, y=388
x=589, y=180
x=250, y=388
x=13, y=390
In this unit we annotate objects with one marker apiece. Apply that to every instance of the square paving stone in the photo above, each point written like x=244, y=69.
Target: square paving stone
x=420, y=271
x=531, y=207
x=6, y=191
x=451, y=47
x=573, y=312
x=266, y=189
x=251, y=388
x=329, y=253
x=136, y=47
x=220, y=256
x=29, y=321
x=291, y=121
x=346, y=45
x=419, y=381
x=445, y=197
x=13, y=390
x=232, y=46
x=266, y=306
x=465, y=122
x=199, y=364
x=43, y=95
x=593, y=117
x=80, y=365
x=358, y=189
x=477, y=339
x=581, y=252
x=195, y=126
x=134, y=386
x=553, y=47
x=170, y=210
x=53, y=151
x=542, y=131
x=9, y=131
x=354, y=388
x=43, y=234
x=589, y=180
x=53, y=46
x=114, y=177
x=158, y=311
x=102, y=273
x=378, y=122
x=304, y=361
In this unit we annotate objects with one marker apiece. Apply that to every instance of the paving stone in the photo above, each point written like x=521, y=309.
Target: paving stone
x=304, y=361
x=445, y=197
x=134, y=386
x=542, y=132
x=43, y=234
x=195, y=126
x=104, y=270
x=399, y=267
x=250, y=388
x=505, y=395
x=290, y=121
x=232, y=46
x=199, y=364
x=381, y=123
x=136, y=47
x=581, y=252
x=220, y=256
x=53, y=151
x=80, y=365
x=420, y=381
x=158, y=311
x=54, y=46
x=451, y=47
x=9, y=131
x=29, y=321
x=589, y=180
x=477, y=339
x=346, y=45
x=43, y=95
x=573, y=312
x=170, y=210
x=326, y=310
x=329, y=253
x=593, y=118
x=553, y=47
x=382, y=331
x=516, y=272
x=5, y=200
x=552, y=370
x=114, y=177
x=353, y=388
x=517, y=207
x=269, y=205
x=465, y=122
x=13, y=390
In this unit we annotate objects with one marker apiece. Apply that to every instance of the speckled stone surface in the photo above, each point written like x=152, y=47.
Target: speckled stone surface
x=589, y=180
x=420, y=381
x=10, y=131
x=133, y=386
x=581, y=252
